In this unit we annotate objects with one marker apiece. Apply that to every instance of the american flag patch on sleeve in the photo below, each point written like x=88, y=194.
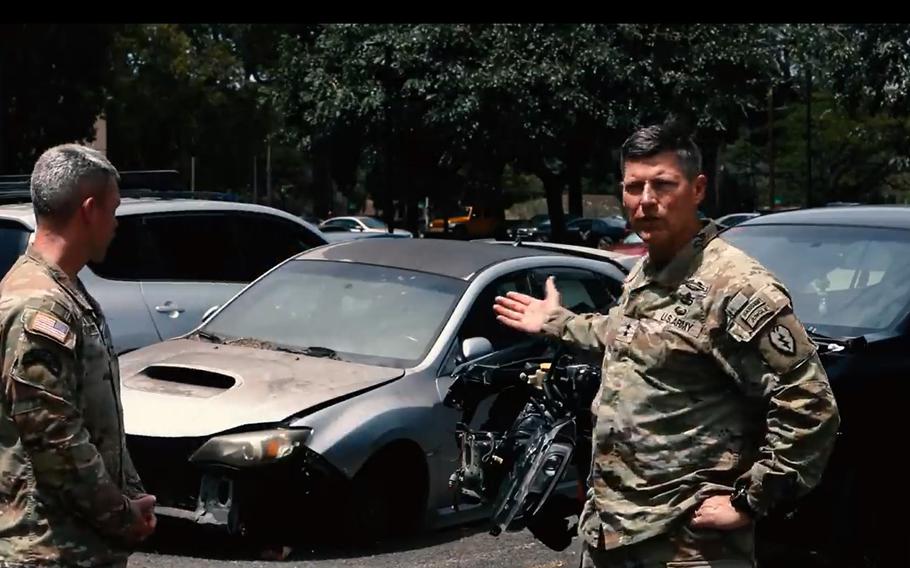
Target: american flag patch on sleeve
x=47, y=325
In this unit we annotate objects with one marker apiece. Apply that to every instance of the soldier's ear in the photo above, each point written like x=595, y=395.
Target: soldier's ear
x=88, y=209
x=700, y=185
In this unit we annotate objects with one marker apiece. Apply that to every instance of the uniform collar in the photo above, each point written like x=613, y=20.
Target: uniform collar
x=674, y=272
x=73, y=287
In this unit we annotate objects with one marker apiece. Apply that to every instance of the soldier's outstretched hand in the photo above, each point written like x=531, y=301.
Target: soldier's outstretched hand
x=526, y=313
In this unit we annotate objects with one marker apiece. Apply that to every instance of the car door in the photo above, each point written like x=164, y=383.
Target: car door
x=116, y=284
x=206, y=258
x=13, y=241
x=195, y=264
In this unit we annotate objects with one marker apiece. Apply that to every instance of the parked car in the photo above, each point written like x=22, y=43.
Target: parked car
x=848, y=272
x=632, y=245
x=543, y=231
x=469, y=222
x=360, y=224
x=314, y=398
x=598, y=232
x=172, y=259
x=527, y=228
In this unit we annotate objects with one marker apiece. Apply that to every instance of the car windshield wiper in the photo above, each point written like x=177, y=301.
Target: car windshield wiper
x=836, y=344
x=210, y=336
x=318, y=351
x=314, y=351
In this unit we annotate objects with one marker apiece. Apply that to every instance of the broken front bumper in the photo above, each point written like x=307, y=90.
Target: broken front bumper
x=274, y=499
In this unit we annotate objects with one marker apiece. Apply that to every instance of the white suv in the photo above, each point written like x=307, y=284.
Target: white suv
x=173, y=259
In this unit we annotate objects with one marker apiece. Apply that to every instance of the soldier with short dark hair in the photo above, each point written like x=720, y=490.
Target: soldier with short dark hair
x=714, y=406
x=69, y=494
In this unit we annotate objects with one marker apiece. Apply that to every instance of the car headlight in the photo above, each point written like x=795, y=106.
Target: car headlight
x=252, y=448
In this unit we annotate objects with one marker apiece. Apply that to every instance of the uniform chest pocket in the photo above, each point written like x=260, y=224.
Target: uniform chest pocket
x=682, y=326
x=96, y=360
x=619, y=333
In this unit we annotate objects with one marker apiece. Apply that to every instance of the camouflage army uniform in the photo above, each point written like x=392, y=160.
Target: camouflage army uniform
x=65, y=473
x=709, y=382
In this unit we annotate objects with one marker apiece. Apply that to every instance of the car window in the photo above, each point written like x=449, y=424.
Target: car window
x=581, y=291
x=373, y=223
x=580, y=224
x=198, y=247
x=131, y=255
x=174, y=247
x=13, y=241
x=843, y=280
x=341, y=223
x=481, y=319
x=268, y=240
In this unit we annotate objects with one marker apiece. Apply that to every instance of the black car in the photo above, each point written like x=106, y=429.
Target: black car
x=848, y=272
x=544, y=230
x=524, y=228
x=599, y=232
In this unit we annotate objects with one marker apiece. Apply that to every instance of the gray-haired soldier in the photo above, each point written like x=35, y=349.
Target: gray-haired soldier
x=69, y=495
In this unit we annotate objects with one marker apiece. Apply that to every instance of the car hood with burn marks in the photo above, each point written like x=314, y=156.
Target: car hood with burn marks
x=183, y=388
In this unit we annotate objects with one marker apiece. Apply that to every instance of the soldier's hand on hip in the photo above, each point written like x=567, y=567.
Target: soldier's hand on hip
x=717, y=512
x=526, y=313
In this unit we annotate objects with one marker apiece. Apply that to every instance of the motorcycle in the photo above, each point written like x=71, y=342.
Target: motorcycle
x=534, y=434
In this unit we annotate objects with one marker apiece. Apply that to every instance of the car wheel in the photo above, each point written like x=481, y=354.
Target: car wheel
x=605, y=242
x=388, y=496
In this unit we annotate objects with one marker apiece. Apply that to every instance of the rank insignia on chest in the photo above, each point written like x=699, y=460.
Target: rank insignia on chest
x=626, y=330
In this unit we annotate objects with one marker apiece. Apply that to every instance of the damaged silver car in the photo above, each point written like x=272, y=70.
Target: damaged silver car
x=316, y=394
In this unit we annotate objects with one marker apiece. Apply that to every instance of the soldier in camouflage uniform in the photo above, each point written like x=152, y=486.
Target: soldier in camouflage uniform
x=69, y=495
x=714, y=406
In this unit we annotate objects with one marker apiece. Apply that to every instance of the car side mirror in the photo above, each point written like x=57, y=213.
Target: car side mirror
x=475, y=347
x=209, y=313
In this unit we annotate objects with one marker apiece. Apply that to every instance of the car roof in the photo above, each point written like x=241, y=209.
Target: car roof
x=24, y=213
x=622, y=261
x=456, y=259
x=884, y=216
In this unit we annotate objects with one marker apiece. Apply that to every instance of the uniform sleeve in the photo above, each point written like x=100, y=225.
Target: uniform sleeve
x=41, y=389
x=134, y=486
x=585, y=331
x=769, y=355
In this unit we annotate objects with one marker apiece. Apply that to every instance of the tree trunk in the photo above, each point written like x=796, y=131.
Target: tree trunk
x=576, y=201
x=553, y=187
x=711, y=204
x=322, y=186
x=388, y=199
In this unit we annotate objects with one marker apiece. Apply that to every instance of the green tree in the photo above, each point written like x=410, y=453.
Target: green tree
x=54, y=79
x=184, y=91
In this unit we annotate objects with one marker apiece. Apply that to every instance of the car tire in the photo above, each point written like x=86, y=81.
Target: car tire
x=388, y=497
x=605, y=242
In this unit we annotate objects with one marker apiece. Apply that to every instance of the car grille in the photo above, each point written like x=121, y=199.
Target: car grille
x=164, y=467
